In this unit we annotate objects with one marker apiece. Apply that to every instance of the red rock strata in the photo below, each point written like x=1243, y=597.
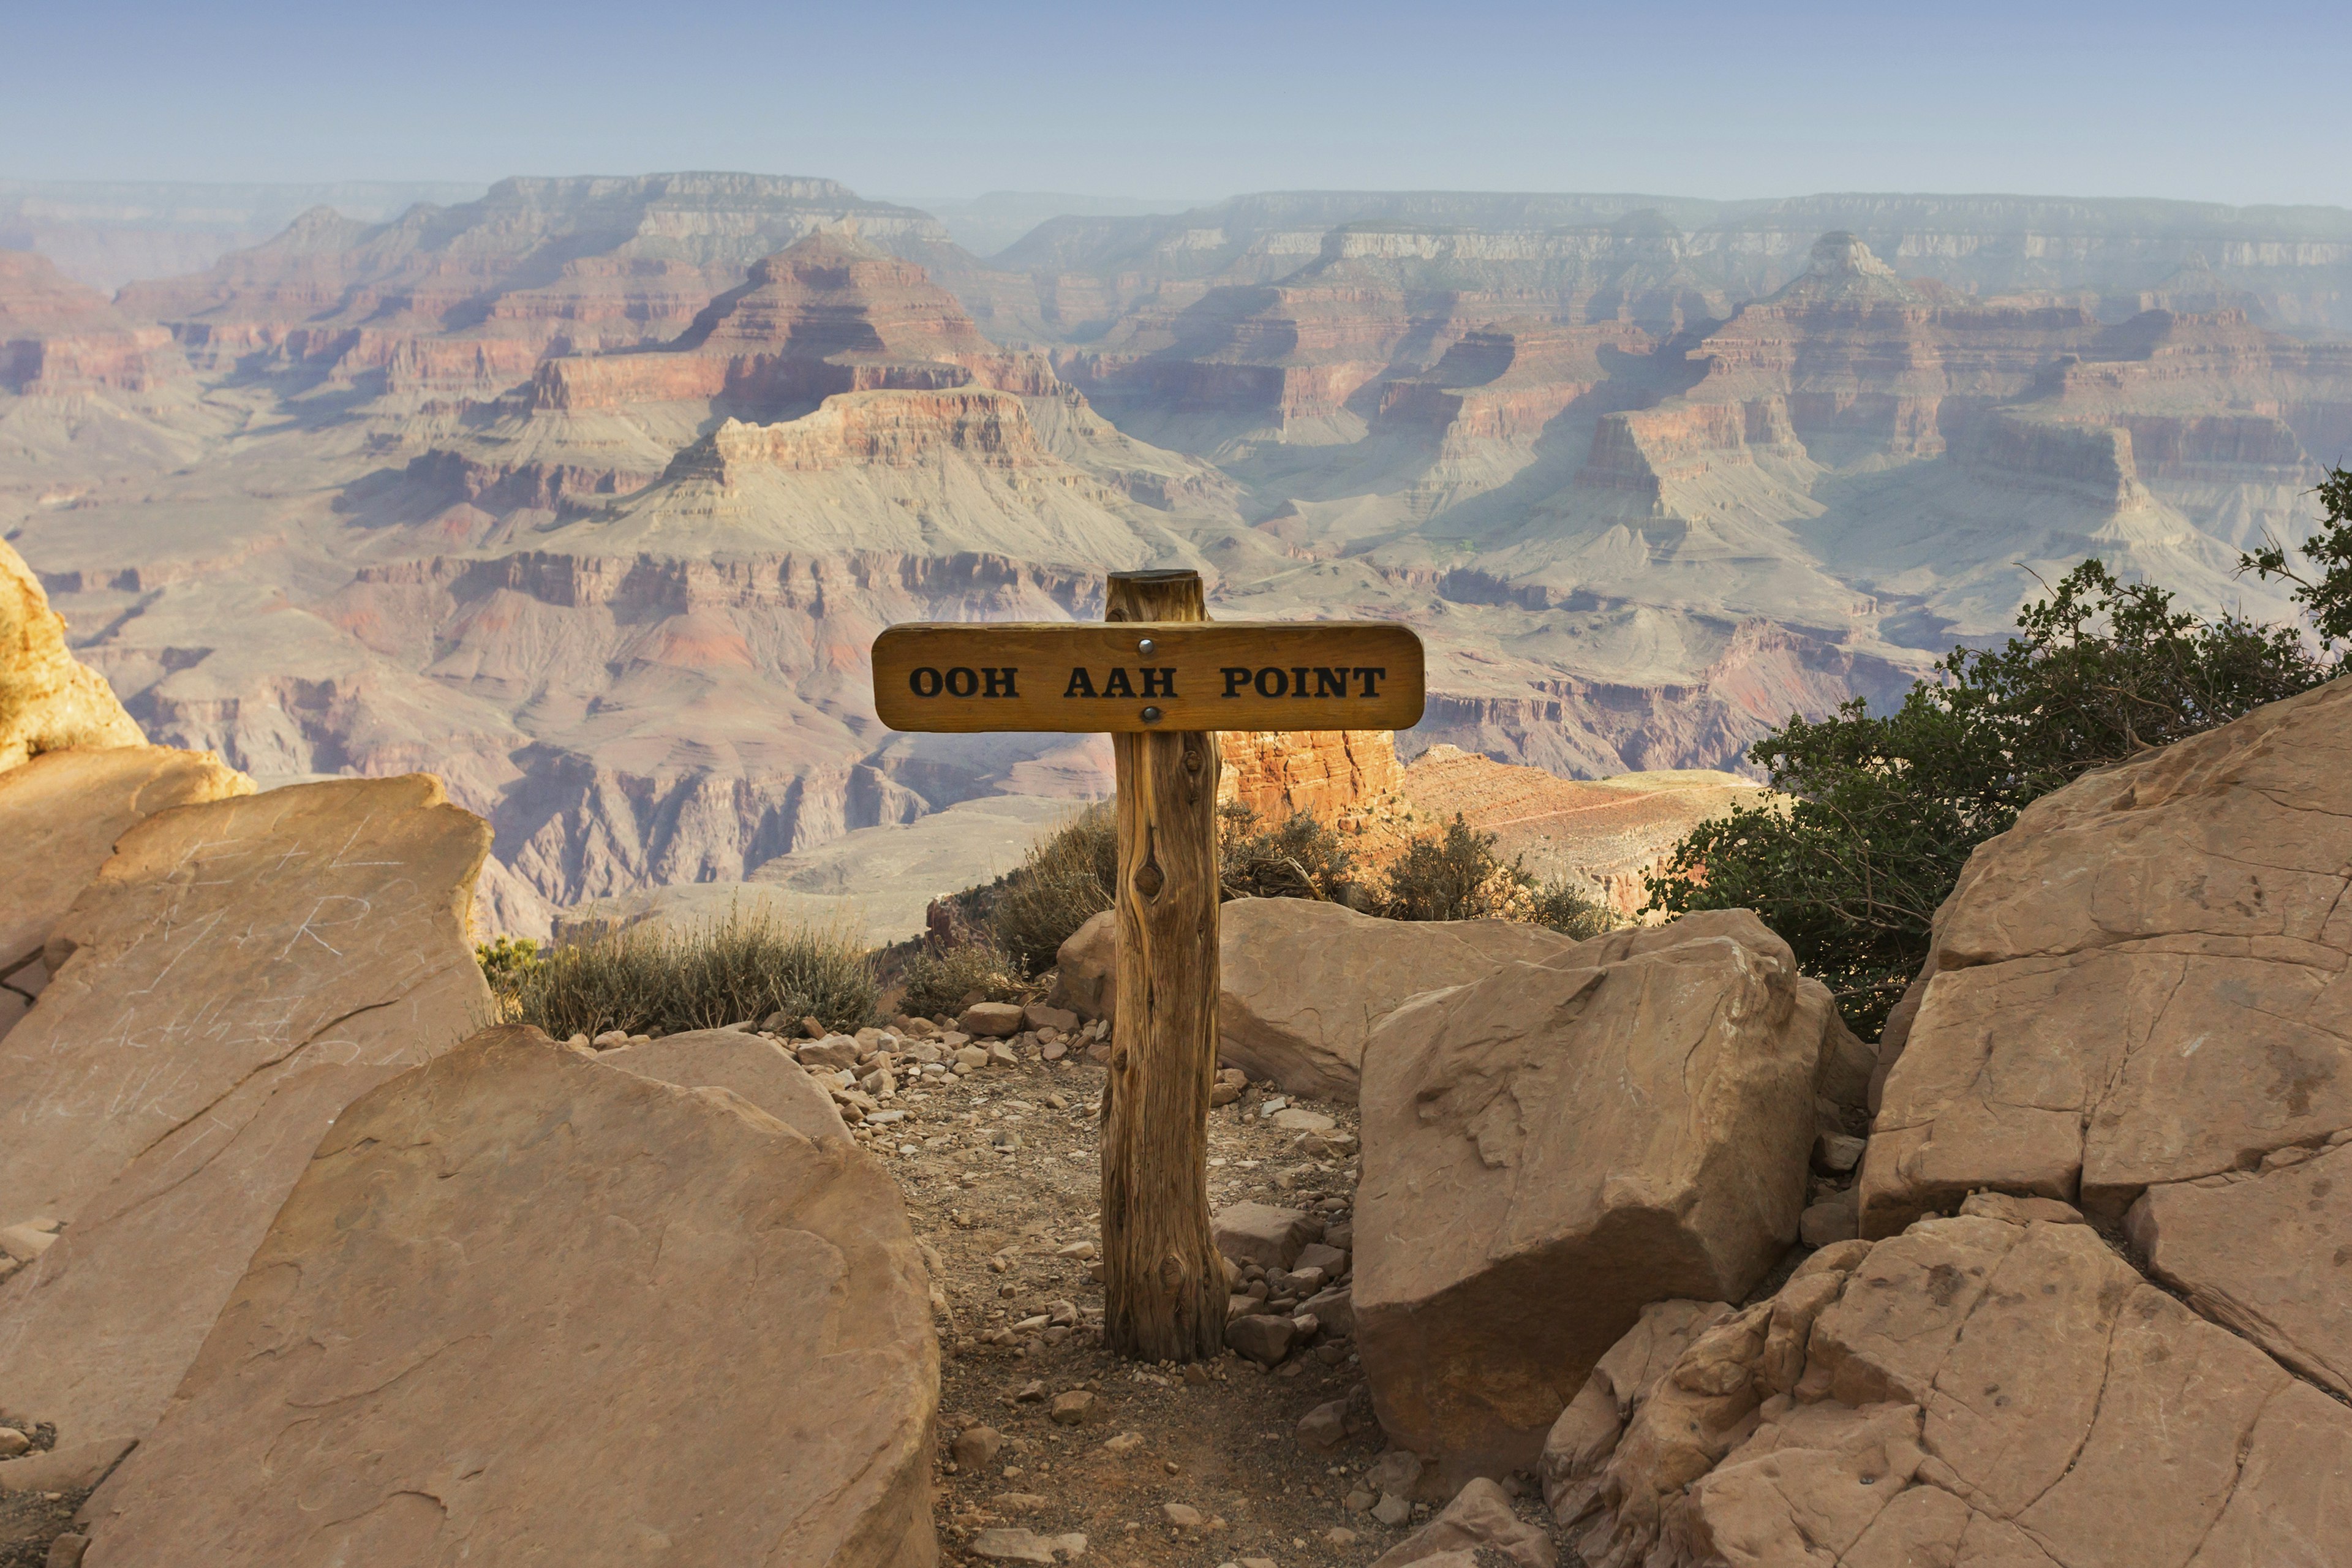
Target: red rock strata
x=56, y=336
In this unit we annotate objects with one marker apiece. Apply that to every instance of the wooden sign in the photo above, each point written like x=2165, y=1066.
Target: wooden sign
x=1142, y=676
x=1161, y=676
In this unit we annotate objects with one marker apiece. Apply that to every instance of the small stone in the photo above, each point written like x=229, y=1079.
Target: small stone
x=1257, y=1563
x=580, y=1042
x=1832, y=1219
x=971, y=1057
x=1392, y=1509
x=1295, y=1119
x=1011, y=1546
x=1360, y=1502
x=1055, y=1050
x=12, y=1443
x=1038, y=1016
x=1184, y=1516
x=611, y=1037
x=1325, y=1426
x=810, y=1027
x=1070, y=1409
x=1196, y=1376
x=1125, y=1443
x=1835, y=1153
x=993, y=1019
x=1264, y=1339
x=1225, y=1094
x=1078, y=1249
x=65, y=1551
x=1001, y=1055
x=1020, y=1502
x=1324, y=1256
x=1030, y=1393
x=1062, y=1314
x=1339, y=1535
x=977, y=1447
x=832, y=1051
x=1396, y=1472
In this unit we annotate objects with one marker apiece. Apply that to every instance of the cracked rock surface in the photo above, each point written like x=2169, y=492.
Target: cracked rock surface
x=2144, y=981
x=1549, y=1150
x=236, y=974
x=639, y=1321
x=1976, y=1390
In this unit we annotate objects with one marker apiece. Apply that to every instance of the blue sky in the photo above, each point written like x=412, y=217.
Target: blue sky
x=2238, y=102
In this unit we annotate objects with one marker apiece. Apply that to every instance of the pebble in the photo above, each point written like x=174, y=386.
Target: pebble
x=1360, y=1502
x=1070, y=1409
x=977, y=1445
x=1392, y=1509
x=1184, y=1516
x=13, y=1441
x=1339, y=1535
x=1125, y=1443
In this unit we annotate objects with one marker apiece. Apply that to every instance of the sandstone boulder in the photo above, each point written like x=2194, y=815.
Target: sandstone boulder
x=2142, y=983
x=1973, y=1391
x=60, y=814
x=236, y=974
x=761, y=1070
x=1262, y=1234
x=991, y=1020
x=49, y=700
x=1551, y=1149
x=2265, y=1254
x=1086, y=978
x=1478, y=1521
x=1305, y=983
x=523, y=1304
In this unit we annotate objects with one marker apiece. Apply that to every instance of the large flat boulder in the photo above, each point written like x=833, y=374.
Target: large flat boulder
x=2143, y=982
x=758, y=1068
x=523, y=1304
x=60, y=816
x=1549, y=1150
x=49, y=700
x=1305, y=982
x=237, y=973
x=1975, y=1391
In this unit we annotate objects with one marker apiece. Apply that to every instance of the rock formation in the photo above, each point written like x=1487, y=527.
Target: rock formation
x=1987, y=1388
x=743, y=1299
x=2120, y=998
x=236, y=975
x=60, y=816
x=1607, y=834
x=1347, y=779
x=1623, y=1124
x=48, y=700
x=58, y=336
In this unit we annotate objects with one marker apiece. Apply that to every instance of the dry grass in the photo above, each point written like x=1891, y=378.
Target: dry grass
x=660, y=979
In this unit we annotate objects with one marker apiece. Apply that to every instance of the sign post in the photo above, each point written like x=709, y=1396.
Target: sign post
x=1162, y=679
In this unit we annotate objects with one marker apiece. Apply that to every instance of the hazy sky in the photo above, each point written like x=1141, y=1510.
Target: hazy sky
x=2236, y=102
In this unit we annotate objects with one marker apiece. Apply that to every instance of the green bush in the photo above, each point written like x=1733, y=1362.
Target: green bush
x=1302, y=859
x=506, y=962
x=1065, y=881
x=1570, y=911
x=1455, y=875
x=945, y=984
x=660, y=979
x=1876, y=815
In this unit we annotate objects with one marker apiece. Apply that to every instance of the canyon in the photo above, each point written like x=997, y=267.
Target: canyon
x=589, y=495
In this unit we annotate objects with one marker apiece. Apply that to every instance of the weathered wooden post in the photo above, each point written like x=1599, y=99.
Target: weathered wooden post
x=1162, y=679
x=1163, y=1287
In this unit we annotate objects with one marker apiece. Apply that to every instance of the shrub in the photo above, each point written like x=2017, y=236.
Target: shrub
x=945, y=983
x=660, y=979
x=1066, y=880
x=507, y=961
x=1876, y=815
x=1570, y=911
x=1455, y=875
x=1303, y=859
